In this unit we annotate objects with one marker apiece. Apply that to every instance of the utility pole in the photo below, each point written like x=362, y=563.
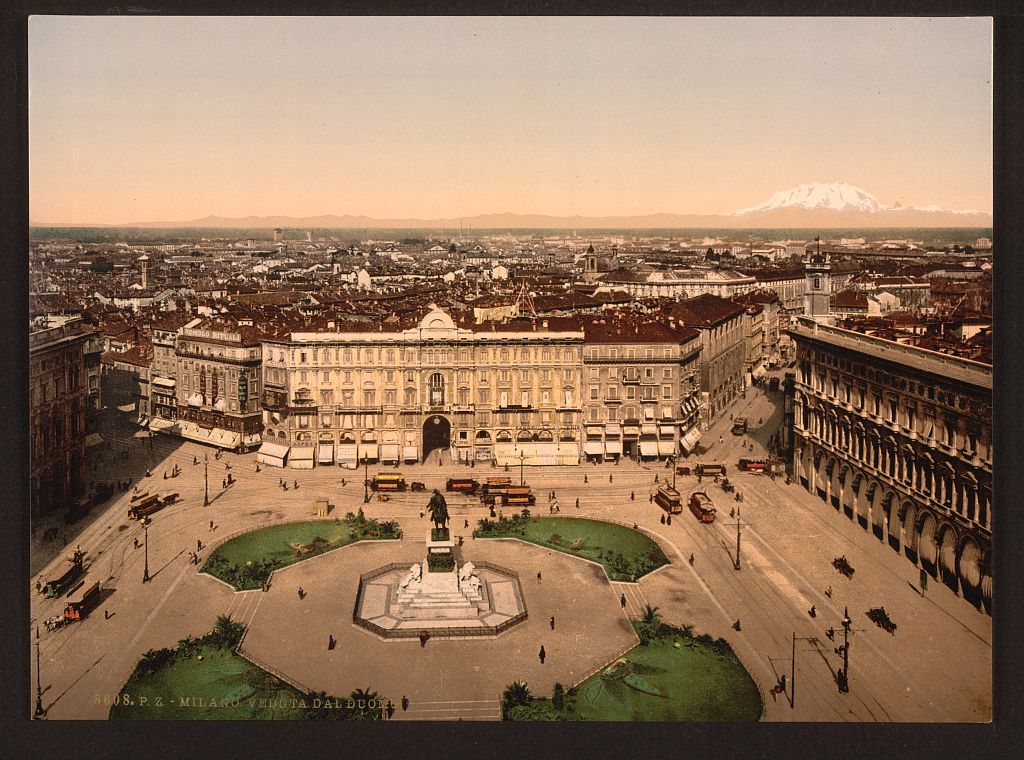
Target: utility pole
x=366, y=481
x=39, y=684
x=792, y=670
x=145, y=541
x=738, y=521
x=206, y=479
x=844, y=674
x=522, y=461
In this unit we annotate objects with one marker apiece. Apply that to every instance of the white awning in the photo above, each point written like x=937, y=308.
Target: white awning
x=127, y=407
x=325, y=453
x=196, y=399
x=368, y=451
x=348, y=456
x=506, y=453
x=667, y=429
x=612, y=430
x=159, y=423
x=690, y=440
x=759, y=372
x=631, y=431
x=276, y=450
x=666, y=448
x=219, y=404
x=613, y=447
x=595, y=430
x=593, y=448
x=304, y=453
x=164, y=381
x=389, y=452
x=93, y=439
x=251, y=439
x=547, y=453
x=648, y=448
x=648, y=429
x=226, y=439
x=410, y=453
x=568, y=453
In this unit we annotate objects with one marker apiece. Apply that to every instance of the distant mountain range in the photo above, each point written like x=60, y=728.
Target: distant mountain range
x=815, y=205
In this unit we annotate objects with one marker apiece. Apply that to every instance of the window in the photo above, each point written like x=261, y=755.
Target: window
x=389, y=377
x=545, y=397
x=369, y=397
x=483, y=376
x=630, y=391
x=327, y=397
x=410, y=396
x=503, y=402
x=484, y=395
x=389, y=397
x=666, y=373
x=410, y=377
x=347, y=377
x=524, y=398
x=503, y=376
x=568, y=397
x=326, y=377
x=524, y=376
x=594, y=392
x=666, y=391
x=648, y=373
x=303, y=376
x=302, y=357
x=892, y=411
x=436, y=389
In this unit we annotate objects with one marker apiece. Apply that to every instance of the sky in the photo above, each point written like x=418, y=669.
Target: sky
x=174, y=119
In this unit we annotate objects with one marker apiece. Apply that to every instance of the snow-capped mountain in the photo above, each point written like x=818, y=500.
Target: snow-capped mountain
x=837, y=196
x=838, y=204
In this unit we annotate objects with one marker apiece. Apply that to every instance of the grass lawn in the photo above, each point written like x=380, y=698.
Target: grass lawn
x=598, y=541
x=661, y=681
x=251, y=693
x=246, y=561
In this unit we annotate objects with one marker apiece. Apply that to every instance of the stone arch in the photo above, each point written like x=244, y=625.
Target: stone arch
x=891, y=502
x=908, y=515
x=820, y=479
x=969, y=569
x=986, y=580
x=836, y=484
x=846, y=494
x=927, y=545
x=807, y=468
x=866, y=495
x=948, y=541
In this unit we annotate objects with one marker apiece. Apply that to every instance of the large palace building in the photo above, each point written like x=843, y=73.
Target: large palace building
x=899, y=439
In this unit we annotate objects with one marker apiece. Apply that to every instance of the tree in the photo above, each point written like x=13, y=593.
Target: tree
x=558, y=696
x=364, y=698
x=651, y=615
x=438, y=509
x=227, y=632
x=516, y=694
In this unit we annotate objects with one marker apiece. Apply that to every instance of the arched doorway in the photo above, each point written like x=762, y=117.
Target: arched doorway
x=927, y=547
x=437, y=434
x=969, y=571
x=947, y=542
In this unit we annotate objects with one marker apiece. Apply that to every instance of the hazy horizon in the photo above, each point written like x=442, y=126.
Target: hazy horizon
x=135, y=120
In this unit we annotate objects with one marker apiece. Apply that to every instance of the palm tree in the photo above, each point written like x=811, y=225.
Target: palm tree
x=516, y=694
x=227, y=632
x=365, y=712
x=651, y=615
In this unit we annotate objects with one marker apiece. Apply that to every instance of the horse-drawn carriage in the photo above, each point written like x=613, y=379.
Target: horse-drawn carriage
x=841, y=564
x=880, y=617
x=417, y=485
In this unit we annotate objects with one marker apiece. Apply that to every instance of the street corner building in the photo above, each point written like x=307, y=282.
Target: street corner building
x=899, y=438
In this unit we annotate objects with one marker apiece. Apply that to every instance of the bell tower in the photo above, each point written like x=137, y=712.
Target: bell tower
x=818, y=290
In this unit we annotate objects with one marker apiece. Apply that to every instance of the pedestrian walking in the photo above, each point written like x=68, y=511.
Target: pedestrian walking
x=632, y=495
x=223, y=483
x=301, y=593
x=622, y=601
x=296, y=485
x=736, y=625
x=691, y=558
x=611, y=478
x=423, y=638
x=390, y=709
x=330, y=642
x=828, y=592
x=668, y=519
x=542, y=654
x=782, y=682
x=577, y=502
x=135, y=542
x=39, y=584
x=552, y=622
x=405, y=703
x=199, y=544
x=466, y=524
x=538, y=576
x=211, y=524
x=655, y=477
x=812, y=612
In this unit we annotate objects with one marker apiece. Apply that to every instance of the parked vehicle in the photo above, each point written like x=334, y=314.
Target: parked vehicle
x=388, y=481
x=417, y=485
x=80, y=607
x=702, y=506
x=462, y=485
x=727, y=486
x=739, y=426
x=56, y=587
x=668, y=499
x=711, y=468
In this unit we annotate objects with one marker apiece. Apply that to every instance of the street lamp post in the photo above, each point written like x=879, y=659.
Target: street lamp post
x=145, y=542
x=206, y=479
x=844, y=675
x=522, y=461
x=39, y=684
x=366, y=481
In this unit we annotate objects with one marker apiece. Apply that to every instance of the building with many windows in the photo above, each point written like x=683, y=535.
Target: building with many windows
x=899, y=438
x=218, y=384
x=58, y=396
x=509, y=393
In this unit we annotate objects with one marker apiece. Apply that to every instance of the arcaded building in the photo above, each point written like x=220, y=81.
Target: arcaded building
x=899, y=438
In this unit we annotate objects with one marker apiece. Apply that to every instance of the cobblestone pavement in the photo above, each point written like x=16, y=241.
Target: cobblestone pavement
x=937, y=666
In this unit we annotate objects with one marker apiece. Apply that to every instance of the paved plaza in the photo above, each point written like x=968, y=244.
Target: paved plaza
x=936, y=667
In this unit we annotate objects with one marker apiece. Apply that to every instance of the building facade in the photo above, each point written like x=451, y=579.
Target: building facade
x=899, y=439
x=434, y=389
x=217, y=386
x=58, y=393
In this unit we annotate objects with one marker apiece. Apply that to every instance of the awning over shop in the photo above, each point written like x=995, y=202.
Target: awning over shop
x=595, y=430
x=196, y=399
x=506, y=453
x=251, y=439
x=348, y=455
x=483, y=453
x=127, y=407
x=368, y=451
x=648, y=429
x=613, y=448
x=630, y=431
x=325, y=453
x=689, y=440
x=389, y=452
x=219, y=404
x=272, y=453
x=759, y=372
x=158, y=424
x=527, y=453
x=612, y=431
x=593, y=448
x=301, y=458
x=547, y=453
x=93, y=439
x=648, y=448
x=225, y=439
x=666, y=448
x=165, y=382
x=410, y=453
x=669, y=430
x=568, y=453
